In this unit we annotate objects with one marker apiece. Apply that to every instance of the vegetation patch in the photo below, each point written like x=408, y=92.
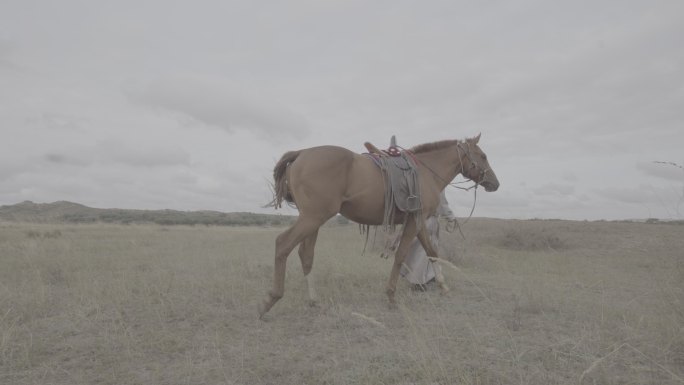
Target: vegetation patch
x=51, y=234
x=74, y=213
x=531, y=239
x=149, y=304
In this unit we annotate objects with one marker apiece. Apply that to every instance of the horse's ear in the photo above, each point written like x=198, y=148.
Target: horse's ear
x=476, y=139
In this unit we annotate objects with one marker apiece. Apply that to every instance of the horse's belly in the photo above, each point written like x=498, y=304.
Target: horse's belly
x=362, y=212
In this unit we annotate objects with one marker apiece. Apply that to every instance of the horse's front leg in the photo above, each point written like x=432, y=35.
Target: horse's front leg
x=424, y=239
x=407, y=236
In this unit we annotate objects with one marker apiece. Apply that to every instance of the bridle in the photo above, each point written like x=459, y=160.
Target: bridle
x=473, y=163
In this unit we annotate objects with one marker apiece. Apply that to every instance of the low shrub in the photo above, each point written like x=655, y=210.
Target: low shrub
x=529, y=239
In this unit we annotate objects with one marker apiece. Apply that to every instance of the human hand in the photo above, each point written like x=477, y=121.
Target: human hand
x=452, y=224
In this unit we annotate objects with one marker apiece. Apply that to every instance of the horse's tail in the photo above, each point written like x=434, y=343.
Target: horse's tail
x=280, y=188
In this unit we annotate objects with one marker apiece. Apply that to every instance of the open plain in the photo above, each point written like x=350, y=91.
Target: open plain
x=531, y=302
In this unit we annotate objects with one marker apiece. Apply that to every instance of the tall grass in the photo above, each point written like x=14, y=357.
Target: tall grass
x=113, y=304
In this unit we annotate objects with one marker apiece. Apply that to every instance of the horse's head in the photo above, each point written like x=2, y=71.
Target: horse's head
x=475, y=165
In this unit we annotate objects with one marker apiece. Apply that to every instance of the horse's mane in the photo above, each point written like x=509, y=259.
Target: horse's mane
x=427, y=147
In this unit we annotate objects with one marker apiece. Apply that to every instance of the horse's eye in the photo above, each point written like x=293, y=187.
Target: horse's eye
x=484, y=157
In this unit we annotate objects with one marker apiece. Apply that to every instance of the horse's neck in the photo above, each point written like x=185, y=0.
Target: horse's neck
x=444, y=164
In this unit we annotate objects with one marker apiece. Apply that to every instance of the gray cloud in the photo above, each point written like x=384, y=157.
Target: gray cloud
x=661, y=170
x=5, y=53
x=626, y=194
x=569, y=97
x=555, y=189
x=61, y=122
x=569, y=176
x=9, y=168
x=62, y=159
x=218, y=103
x=116, y=151
x=141, y=155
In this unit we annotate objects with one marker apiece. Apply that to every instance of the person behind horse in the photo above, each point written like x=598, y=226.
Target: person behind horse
x=417, y=267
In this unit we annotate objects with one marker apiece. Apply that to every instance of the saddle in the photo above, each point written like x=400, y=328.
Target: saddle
x=400, y=177
x=393, y=150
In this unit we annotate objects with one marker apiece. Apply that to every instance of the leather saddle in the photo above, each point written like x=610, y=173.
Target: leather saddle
x=393, y=150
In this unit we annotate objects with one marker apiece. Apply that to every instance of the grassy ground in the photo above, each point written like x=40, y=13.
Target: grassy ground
x=532, y=302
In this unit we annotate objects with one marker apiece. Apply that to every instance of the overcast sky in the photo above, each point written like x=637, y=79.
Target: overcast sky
x=187, y=105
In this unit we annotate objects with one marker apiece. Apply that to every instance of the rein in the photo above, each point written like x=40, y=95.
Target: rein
x=484, y=173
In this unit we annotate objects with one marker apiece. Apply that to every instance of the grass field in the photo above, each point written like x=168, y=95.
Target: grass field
x=532, y=302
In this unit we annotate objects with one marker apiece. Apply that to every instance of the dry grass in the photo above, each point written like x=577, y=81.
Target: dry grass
x=108, y=304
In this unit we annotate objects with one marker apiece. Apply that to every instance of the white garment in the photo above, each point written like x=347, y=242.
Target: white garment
x=417, y=268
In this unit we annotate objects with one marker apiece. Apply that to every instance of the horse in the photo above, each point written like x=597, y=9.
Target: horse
x=326, y=180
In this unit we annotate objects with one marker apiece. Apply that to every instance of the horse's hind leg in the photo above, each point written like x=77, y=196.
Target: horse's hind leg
x=306, y=255
x=285, y=242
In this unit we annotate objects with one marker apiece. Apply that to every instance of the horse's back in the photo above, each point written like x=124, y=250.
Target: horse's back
x=327, y=158
x=317, y=178
x=332, y=178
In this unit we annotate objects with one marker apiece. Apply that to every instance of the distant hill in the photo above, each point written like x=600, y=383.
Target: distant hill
x=69, y=212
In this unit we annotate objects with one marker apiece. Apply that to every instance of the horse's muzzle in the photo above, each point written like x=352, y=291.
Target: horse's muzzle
x=490, y=186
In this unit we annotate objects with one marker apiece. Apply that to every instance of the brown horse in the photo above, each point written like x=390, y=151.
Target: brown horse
x=326, y=180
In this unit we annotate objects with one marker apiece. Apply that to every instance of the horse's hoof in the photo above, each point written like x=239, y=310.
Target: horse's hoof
x=444, y=290
x=313, y=303
x=262, y=309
